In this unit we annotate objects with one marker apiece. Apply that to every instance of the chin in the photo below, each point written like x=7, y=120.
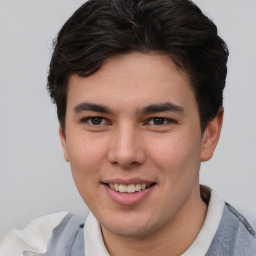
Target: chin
x=129, y=226
x=129, y=232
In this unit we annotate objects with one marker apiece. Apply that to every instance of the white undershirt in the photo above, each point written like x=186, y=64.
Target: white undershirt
x=94, y=244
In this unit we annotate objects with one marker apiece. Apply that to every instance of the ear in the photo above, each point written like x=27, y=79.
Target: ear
x=63, y=143
x=211, y=136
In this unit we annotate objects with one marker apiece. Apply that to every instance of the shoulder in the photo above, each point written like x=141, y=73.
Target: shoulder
x=245, y=218
x=250, y=216
x=235, y=235
x=37, y=236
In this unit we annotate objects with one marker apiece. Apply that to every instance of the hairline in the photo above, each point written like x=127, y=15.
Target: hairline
x=179, y=66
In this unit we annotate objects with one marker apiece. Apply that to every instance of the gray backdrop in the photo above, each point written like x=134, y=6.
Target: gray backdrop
x=35, y=179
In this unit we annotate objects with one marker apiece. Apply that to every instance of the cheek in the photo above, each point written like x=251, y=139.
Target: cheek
x=85, y=156
x=176, y=152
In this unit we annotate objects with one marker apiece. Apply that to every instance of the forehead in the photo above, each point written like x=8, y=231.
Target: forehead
x=131, y=80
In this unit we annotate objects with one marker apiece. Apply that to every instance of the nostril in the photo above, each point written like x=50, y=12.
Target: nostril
x=125, y=153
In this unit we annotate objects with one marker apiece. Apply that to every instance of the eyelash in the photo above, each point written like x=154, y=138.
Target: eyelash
x=149, y=121
x=89, y=120
x=165, y=120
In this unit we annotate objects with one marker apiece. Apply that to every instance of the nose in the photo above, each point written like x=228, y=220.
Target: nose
x=126, y=147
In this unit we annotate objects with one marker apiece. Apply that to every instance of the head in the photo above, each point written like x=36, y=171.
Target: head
x=138, y=87
x=101, y=29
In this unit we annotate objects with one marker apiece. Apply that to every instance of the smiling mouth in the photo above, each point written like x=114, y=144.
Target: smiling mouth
x=129, y=189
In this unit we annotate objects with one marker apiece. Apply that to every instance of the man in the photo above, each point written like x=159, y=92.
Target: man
x=138, y=87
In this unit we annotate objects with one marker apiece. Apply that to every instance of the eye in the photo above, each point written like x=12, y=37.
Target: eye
x=95, y=120
x=159, y=121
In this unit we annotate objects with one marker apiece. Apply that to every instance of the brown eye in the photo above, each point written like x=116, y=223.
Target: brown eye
x=96, y=120
x=158, y=120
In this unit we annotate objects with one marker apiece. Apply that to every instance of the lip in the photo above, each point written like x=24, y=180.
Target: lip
x=128, y=181
x=128, y=199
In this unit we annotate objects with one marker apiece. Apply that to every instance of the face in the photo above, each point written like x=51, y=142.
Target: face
x=134, y=143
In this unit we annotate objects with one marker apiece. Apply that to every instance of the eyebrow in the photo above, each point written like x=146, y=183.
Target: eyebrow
x=92, y=107
x=153, y=108
x=164, y=107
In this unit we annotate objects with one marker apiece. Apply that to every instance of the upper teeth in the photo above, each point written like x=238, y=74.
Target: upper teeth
x=131, y=188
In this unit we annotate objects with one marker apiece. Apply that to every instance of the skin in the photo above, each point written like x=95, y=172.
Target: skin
x=129, y=142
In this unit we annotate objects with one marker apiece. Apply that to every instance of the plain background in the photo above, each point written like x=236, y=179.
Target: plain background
x=35, y=179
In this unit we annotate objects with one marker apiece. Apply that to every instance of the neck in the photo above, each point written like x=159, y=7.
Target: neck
x=173, y=239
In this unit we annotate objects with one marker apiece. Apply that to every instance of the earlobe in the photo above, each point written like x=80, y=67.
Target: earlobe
x=211, y=136
x=63, y=143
